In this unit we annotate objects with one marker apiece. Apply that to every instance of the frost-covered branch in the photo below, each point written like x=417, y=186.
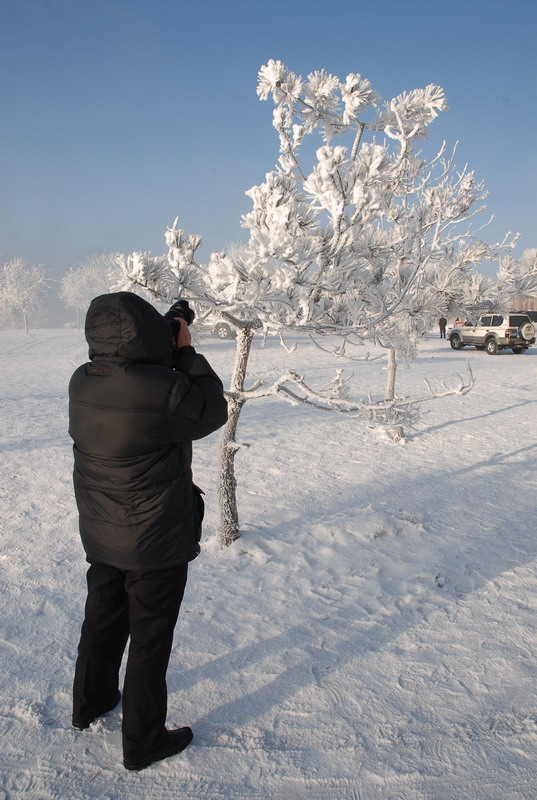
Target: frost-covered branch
x=339, y=349
x=401, y=411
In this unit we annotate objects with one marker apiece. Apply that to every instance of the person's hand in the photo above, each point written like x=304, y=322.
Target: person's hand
x=184, y=339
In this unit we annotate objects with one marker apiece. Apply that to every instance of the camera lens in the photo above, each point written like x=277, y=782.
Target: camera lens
x=180, y=309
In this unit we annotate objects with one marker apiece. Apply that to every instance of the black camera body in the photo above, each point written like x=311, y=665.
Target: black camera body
x=179, y=309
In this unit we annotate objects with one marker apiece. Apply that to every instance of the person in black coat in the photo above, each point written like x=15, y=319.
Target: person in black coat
x=134, y=411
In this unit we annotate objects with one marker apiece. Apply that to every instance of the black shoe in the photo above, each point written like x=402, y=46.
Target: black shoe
x=177, y=741
x=81, y=725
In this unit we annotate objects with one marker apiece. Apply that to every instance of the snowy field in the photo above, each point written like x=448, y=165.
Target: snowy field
x=371, y=635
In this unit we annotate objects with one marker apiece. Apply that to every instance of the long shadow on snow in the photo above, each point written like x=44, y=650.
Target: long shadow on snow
x=371, y=637
x=429, y=496
x=462, y=420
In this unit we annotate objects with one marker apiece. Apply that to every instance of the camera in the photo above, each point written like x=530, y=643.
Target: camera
x=179, y=309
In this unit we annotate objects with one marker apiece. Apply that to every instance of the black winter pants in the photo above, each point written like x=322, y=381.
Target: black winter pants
x=144, y=606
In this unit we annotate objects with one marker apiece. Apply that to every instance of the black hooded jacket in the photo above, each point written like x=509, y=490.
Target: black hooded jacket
x=133, y=413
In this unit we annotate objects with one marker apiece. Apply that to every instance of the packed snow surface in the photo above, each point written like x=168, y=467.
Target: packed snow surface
x=371, y=635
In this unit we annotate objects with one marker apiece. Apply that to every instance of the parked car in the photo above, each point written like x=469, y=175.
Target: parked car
x=223, y=330
x=494, y=332
x=217, y=326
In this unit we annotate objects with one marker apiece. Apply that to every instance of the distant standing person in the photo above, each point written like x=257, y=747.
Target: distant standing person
x=134, y=410
x=442, y=322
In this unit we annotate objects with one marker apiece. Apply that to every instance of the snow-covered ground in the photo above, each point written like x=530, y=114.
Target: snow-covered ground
x=371, y=635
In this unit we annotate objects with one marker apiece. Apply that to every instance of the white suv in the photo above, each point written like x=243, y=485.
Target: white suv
x=216, y=325
x=495, y=332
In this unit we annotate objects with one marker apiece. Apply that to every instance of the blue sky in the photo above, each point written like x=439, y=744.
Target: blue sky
x=118, y=115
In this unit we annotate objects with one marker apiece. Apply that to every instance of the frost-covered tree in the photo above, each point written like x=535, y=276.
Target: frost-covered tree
x=371, y=241
x=22, y=287
x=94, y=277
x=380, y=235
x=72, y=291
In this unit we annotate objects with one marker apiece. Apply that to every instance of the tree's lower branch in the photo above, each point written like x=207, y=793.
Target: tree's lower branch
x=397, y=411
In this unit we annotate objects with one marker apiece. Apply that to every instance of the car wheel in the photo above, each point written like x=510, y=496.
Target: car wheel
x=492, y=347
x=223, y=331
x=518, y=350
x=456, y=342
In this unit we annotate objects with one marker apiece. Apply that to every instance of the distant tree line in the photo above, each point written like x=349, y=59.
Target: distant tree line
x=23, y=288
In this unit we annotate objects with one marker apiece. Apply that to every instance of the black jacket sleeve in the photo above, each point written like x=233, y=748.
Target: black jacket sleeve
x=197, y=405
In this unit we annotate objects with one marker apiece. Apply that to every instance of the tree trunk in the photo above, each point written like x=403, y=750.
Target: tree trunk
x=229, y=519
x=25, y=315
x=396, y=432
x=392, y=370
